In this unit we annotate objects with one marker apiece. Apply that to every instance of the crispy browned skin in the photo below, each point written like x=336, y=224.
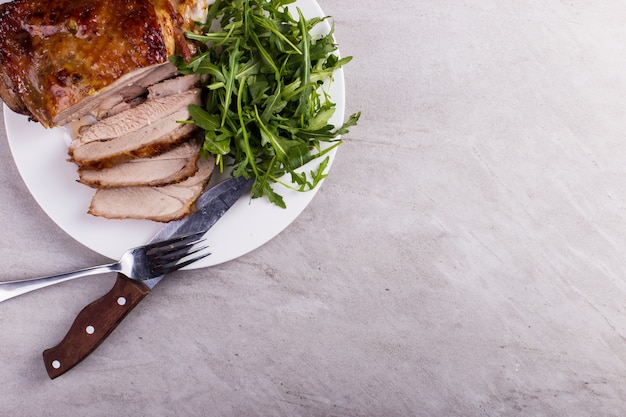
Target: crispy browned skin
x=54, y=53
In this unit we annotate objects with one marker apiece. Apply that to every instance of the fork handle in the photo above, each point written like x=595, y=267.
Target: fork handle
x=10, y=289
x=93, y=324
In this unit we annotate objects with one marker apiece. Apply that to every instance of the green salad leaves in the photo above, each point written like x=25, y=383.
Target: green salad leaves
x=266, y=112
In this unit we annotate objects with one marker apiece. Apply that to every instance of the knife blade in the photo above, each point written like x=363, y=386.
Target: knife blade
x=98, y=319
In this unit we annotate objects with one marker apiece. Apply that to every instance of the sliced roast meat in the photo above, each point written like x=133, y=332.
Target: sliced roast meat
x=156, y=85
x=173, y=86
x=162, y=204
x=146, y=130
x=172, y=166
x=126, y=88
x=146, y=142
x=138, y=117
x=124, y=105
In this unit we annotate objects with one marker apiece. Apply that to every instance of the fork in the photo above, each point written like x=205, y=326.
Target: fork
x=140, y=263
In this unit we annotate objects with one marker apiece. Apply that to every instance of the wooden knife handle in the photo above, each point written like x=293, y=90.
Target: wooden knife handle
x=93, y=324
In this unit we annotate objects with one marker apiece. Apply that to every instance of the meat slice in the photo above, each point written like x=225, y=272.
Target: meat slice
x=140, y=116
x=146, y=142
x=174, y=86
x=172, y=166
x=143, y=131
x=54, y=54
x=128, y=92
x=127, y=88
x=161, y=204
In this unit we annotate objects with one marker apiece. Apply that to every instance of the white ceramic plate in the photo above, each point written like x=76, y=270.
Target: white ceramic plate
x=41, y=157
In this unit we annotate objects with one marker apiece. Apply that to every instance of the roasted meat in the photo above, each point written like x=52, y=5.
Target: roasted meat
x=161, y=204
x=146, y=130
x=57, y=56
x=144, y=163
x=170, y=167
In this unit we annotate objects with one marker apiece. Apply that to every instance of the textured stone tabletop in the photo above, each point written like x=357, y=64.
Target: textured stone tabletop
x=466, y=256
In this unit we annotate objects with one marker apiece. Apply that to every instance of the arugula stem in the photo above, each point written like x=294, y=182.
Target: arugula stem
x=244, y=131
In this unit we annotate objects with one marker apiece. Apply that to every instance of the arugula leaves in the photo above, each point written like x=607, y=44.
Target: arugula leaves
x=266, y=113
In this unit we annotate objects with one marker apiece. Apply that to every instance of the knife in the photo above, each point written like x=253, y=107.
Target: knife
x=97, y=320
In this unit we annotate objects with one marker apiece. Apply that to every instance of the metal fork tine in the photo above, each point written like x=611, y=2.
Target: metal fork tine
x=190, y=261
x=166, y=269
x=173, y=243
x=181, y=253
x=176, y=253
x=170, y=260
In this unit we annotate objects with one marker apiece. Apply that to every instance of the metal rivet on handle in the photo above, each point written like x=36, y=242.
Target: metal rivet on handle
x=90, y=329
x=121, y=301
x=56, y=364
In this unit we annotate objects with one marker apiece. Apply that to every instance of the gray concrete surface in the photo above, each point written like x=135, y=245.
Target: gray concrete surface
x=466, y=257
